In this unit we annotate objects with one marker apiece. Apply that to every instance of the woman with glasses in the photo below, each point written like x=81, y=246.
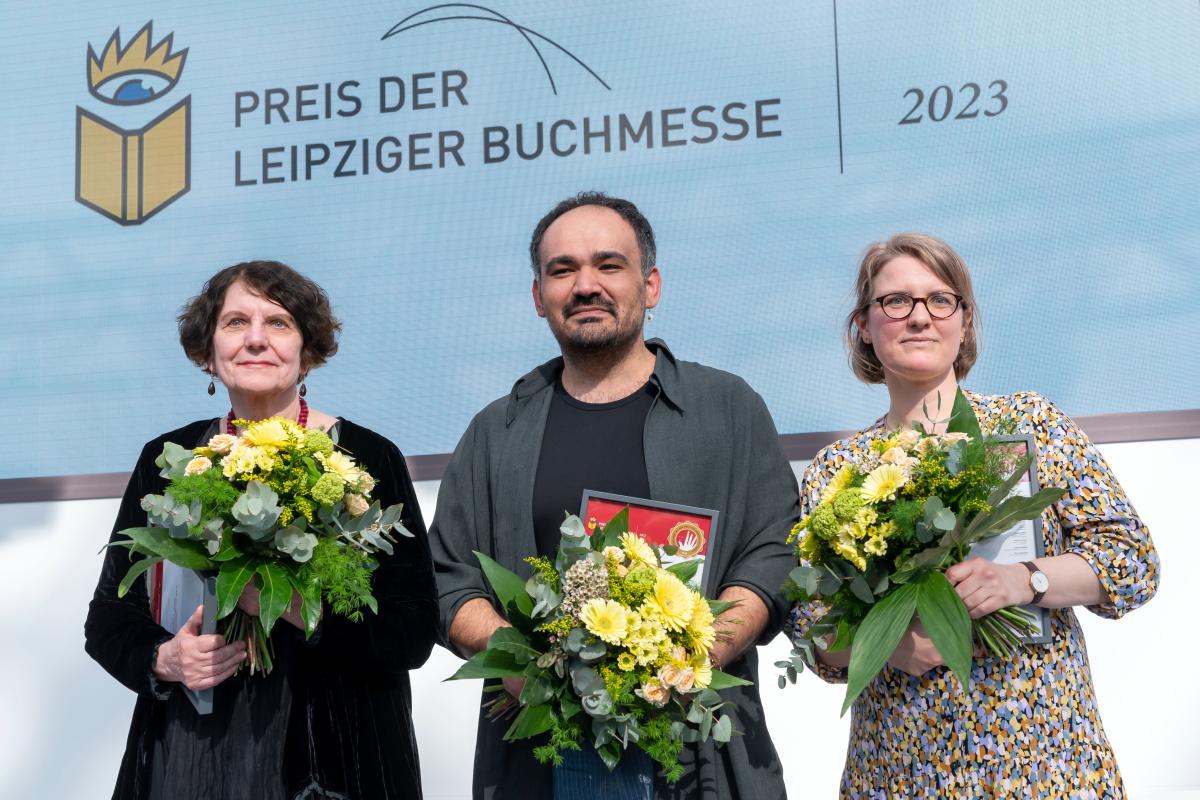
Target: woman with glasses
x=1029, y=725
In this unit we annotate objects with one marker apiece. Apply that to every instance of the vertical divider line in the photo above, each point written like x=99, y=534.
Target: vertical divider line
x=837, y=72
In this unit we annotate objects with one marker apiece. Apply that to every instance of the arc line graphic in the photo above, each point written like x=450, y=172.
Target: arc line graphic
x=400, y=27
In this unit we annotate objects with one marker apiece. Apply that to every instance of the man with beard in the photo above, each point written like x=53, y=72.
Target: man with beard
x=616, y=413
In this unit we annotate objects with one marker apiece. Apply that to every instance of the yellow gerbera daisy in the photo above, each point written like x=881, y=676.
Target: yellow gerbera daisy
x=701, y=624
x=703, y=668
x=605, y=619
x=638, y=551
x=839, y=481
x=671, y=601
x=273, y=432
x=882, y=483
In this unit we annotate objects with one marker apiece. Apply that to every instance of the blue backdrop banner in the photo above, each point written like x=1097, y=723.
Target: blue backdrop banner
x=400, y=154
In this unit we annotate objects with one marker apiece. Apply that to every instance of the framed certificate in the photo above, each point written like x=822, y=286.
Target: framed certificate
x=1023, y=541
x=690, y=530
x=174, y=594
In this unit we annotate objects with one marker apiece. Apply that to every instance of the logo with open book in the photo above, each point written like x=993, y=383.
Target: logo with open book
x=130, y=174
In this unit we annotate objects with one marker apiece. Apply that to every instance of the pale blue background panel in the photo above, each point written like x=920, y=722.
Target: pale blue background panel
x=1061, y=157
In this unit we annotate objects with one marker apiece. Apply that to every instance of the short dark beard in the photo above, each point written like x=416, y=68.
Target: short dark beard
x=582, y=344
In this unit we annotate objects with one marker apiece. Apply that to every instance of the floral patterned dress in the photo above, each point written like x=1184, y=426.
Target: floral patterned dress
x=1029, y=726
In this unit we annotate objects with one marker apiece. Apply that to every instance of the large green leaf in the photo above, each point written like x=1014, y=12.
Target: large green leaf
x=877, y=637
x=613, y=529
x=723, y=680
x=275, y=594
x=135, y=570
x=187, y=553
x=921, y=562
x=231, y=580
x=963, y=420
x=685, y=570
x=511, y=640
x=1010, y=512
x=489, y=664
x=947, y=622
x=539, y=687
x=310, y=602
x=508, y=586
x=530, y=722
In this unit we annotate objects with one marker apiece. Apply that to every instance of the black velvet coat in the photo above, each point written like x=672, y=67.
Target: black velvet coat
x=337, y=707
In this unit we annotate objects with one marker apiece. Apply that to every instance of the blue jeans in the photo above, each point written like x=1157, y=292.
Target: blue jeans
x=583, y=776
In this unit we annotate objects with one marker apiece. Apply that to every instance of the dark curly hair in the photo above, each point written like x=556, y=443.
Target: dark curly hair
x=304, y=300
x=628, y=211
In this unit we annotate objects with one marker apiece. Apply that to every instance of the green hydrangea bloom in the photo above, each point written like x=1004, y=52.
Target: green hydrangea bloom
x=329, y=489
x=318, y=442
x=847, y=504
x=823, y=522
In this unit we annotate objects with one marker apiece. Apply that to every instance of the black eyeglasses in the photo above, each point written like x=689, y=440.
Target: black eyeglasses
x=899, y=305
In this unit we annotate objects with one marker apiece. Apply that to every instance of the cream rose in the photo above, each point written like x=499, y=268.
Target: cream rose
x=954, y=437
x=894, y=455
x=197, y=465
x=908, y=438
x=356, y=504
x=654, y=693
x=687, y=680
x=669, y=675
x=222, y=443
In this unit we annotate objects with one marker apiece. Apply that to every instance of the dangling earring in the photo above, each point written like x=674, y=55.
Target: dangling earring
x=649, y=316
x=303, y=389
x=212, y=386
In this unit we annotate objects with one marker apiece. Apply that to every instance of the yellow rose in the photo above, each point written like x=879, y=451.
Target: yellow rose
x=197, y=465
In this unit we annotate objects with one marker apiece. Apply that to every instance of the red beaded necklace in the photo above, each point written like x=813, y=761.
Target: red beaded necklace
x=301, y=419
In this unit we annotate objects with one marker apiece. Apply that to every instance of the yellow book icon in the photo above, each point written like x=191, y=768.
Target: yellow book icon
x=130, y=175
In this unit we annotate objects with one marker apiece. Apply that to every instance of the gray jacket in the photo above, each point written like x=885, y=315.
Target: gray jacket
x=709, y=441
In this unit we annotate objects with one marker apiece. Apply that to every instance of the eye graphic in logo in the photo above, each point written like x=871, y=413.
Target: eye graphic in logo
x=478, y=13
x=129, y=175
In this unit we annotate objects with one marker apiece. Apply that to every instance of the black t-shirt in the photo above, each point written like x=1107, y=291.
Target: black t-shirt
x=595, y=446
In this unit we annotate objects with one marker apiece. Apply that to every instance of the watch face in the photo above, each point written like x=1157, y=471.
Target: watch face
x=1039, y=581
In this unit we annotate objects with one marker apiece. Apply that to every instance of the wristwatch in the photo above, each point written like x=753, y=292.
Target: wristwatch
x=1037, y=581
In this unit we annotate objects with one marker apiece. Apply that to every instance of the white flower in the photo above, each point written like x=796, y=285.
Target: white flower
x=197, y=465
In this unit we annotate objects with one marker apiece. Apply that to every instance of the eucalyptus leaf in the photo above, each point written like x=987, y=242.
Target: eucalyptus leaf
x=723, y=730
x=876, y=638
x=944, y=520
x=861, y=590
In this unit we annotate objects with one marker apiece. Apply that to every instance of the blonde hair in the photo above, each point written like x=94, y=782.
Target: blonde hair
x=943, y=262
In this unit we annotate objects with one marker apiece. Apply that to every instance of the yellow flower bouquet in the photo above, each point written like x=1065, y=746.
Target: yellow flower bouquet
x=874, y=551
x=614, y=649
x=279, y=506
